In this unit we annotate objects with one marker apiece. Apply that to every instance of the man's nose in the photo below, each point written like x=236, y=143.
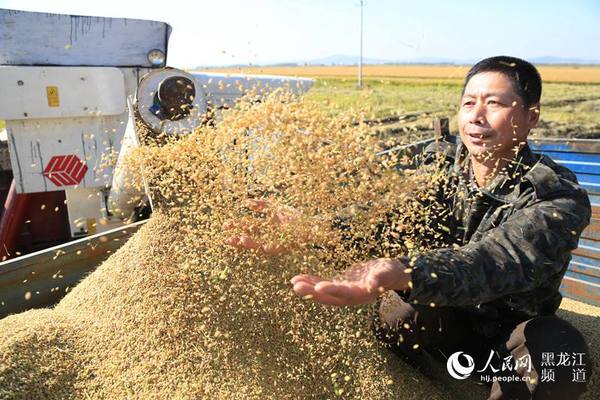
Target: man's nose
x=477, y=114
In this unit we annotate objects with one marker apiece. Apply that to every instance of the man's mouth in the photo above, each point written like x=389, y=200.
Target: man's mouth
x=482, y=135
x=479, y=133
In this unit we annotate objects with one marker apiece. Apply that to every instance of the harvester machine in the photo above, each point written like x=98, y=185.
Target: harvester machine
x=73, y=92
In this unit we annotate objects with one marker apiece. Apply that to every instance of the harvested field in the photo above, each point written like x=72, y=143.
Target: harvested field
x=570, y=105
x=566, y=73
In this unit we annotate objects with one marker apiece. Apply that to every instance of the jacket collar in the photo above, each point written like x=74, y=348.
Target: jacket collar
x=505, y=187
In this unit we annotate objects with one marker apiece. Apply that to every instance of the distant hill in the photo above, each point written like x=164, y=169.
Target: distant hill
x=560, y=60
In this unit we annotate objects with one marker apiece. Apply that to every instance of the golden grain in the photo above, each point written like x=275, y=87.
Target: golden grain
x=177, y=313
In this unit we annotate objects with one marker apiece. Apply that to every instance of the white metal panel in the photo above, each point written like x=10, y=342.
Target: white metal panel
x=132, y=78
x=223, y=89
x=59, y=92
x=94, y=141
x=32, y=38
x=87, y=212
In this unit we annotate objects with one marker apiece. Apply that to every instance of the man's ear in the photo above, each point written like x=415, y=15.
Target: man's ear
x=533, y=115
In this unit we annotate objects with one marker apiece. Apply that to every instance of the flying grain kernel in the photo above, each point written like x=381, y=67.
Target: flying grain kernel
x=178, y=313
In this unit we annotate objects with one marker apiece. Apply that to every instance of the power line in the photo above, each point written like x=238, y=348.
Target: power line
x=360, y=59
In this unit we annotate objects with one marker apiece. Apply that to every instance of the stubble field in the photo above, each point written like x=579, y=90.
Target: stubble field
x=570, y=97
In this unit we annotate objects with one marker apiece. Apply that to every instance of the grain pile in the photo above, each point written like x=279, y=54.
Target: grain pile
x=176, y=313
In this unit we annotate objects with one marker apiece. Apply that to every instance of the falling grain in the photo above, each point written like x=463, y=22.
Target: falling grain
x=178, y=313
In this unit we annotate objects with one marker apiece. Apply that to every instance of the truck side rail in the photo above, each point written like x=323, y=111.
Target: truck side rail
x=42, y=278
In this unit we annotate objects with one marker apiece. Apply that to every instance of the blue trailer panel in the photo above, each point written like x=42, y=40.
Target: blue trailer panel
x=582, y=156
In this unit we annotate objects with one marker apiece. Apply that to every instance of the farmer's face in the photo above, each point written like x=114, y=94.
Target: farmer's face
x=492, y=118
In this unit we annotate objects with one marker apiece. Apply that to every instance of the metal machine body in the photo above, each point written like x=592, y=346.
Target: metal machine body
x=71, y=90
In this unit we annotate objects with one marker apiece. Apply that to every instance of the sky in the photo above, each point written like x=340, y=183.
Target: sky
x=251, y=32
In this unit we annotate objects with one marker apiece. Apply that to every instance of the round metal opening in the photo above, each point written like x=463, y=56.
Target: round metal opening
x=174, y=98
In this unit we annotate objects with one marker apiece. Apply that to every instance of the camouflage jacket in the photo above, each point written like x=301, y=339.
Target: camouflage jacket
x=509, y=243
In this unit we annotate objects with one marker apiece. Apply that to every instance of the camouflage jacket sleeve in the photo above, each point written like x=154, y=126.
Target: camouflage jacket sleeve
x=531, y=246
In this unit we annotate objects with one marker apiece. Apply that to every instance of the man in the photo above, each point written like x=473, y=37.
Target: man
x=491, y=295
x=515, y=218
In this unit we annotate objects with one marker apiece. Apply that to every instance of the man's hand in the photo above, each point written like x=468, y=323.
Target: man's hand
x=361, y=284
x=247, y=241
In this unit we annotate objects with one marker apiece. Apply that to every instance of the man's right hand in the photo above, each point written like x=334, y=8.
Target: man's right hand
x=361, y=284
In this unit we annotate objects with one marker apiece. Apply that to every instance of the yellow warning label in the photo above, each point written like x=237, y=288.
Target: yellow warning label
x=52, y=95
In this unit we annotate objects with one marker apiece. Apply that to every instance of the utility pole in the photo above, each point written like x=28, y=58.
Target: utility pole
x=360, y=59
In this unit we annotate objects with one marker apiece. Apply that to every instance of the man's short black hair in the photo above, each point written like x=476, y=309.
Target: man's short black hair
x=524, y=76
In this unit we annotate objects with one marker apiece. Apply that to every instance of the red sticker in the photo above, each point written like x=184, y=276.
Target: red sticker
x=65, y=170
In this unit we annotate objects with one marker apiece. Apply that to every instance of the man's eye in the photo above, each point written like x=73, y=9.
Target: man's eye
x=468, y=103
x=493, y=102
